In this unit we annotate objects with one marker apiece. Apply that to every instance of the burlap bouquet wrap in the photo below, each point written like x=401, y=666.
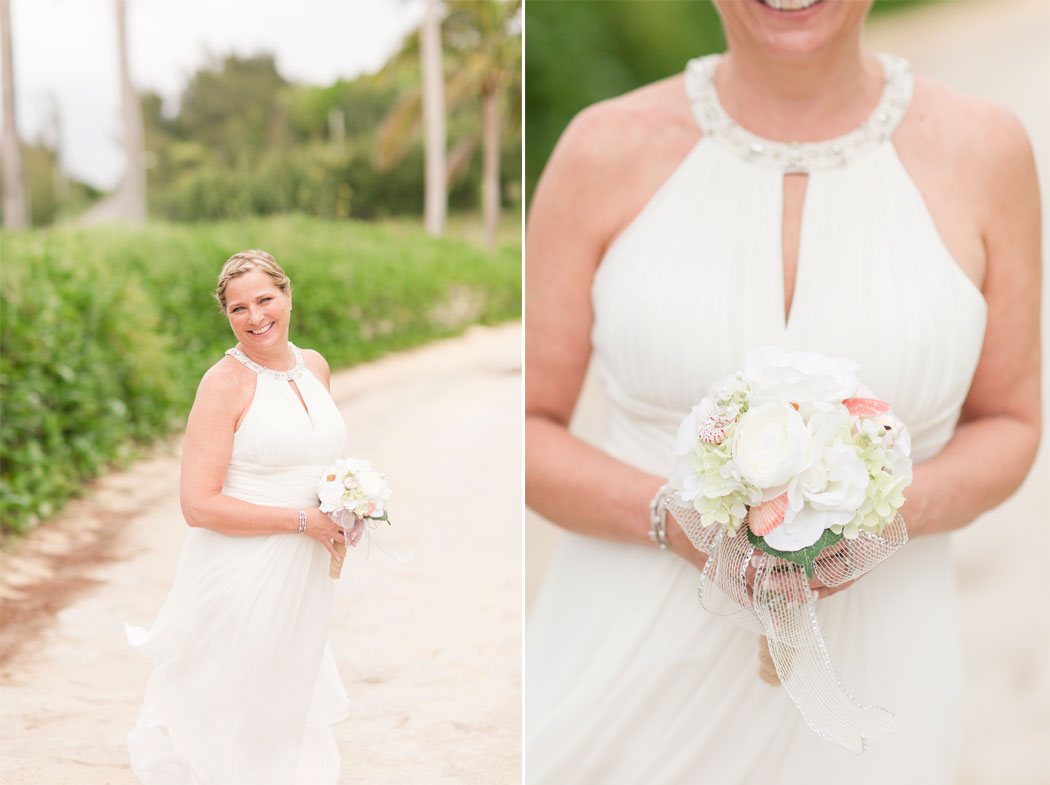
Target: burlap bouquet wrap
x=782, y=609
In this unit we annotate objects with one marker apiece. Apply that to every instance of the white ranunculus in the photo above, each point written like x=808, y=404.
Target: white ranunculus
x=812, y=380
x=769, y=445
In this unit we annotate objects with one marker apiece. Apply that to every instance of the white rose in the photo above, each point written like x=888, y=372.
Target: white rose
x=352, y=465
x=830, y=487
x=769, y=446
x=847, y=483
x=330, y=494
x=835, y=477
x=812, y=380
x=372, y=484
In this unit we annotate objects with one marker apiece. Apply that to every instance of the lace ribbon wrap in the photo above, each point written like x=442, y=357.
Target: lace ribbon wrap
x=372, y=534
x=782, y=609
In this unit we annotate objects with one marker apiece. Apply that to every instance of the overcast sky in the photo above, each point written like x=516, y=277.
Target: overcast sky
x=65, y=57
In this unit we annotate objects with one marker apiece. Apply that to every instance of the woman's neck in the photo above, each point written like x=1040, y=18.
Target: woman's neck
x=278, y=358
x=800, y=100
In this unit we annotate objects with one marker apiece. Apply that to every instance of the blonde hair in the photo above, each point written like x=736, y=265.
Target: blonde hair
x=246, y=261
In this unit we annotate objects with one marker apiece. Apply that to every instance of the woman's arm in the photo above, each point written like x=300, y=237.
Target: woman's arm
x=206, y=450
x=995, y=444
x=578, y=207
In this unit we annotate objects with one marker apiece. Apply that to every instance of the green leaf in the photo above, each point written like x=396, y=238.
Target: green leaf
x=384, y=517
x=805, y=557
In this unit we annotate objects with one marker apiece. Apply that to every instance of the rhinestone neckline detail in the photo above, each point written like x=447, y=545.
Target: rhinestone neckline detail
x=262, y=370
x=799, y=157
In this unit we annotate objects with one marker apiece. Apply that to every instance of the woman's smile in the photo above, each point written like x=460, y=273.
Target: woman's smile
x=789, y=5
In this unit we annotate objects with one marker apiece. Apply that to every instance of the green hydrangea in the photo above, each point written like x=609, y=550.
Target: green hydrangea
x=725, y=493
x=885, y=492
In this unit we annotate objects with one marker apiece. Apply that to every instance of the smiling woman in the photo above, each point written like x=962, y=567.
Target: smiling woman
x=245, y=687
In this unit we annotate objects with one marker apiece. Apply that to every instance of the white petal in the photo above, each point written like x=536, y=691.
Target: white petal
x=804, y=529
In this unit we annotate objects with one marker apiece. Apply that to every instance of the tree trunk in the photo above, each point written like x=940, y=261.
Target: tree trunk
x=436, y=195
x=490, y=201
x=16, y=203
x=132, y=193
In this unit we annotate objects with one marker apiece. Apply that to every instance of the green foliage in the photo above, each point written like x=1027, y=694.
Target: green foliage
x=312, y=180
x=106, y=332
x=581, y=52
x=233, y=107
x=805, y=557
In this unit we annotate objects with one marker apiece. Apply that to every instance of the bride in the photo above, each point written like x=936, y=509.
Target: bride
x=244, y=687
x=802, y=192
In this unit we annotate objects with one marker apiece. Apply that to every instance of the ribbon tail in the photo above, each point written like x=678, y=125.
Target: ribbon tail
x=784, y=606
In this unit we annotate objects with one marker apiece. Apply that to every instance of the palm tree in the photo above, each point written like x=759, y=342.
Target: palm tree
x=133, y=187
x=16, y=204
x=483, y=41
x=129, y=202
x=490, y=63
x=436, y=198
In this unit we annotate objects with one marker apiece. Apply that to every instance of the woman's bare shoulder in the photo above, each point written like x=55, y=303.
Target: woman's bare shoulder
x=611, y=158
x=227, y=380
x=617, y=129
x=977, y=133
x=317, y=364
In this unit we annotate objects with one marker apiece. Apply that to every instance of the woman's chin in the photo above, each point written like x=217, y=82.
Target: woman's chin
x=793, y=29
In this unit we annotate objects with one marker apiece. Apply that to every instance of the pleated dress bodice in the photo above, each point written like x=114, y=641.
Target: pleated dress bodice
x=282, y=445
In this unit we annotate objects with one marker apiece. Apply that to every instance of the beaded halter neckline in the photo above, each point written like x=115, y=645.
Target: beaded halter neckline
x=262, y=370
x=798, y=157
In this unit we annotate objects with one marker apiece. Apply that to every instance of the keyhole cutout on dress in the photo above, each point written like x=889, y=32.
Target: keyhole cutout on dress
x=791, y=230
x=299, y=395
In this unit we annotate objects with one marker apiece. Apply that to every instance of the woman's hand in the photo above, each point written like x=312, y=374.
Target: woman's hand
x=320, y=527
x=679, y=543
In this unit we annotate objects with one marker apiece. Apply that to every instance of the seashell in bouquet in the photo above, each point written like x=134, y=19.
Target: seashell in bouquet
x=354, y=495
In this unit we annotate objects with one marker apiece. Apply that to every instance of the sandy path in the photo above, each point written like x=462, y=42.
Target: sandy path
x=429, y=650
x=1000, y=50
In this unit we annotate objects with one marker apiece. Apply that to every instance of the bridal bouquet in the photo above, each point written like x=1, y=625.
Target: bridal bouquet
x=354, y=495
x=794, y=457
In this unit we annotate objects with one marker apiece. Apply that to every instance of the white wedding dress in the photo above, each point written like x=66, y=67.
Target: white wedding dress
x=244, y=686
x=628, y=680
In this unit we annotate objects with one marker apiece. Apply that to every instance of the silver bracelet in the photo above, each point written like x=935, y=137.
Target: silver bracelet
x=302, y=521
x=657, y=521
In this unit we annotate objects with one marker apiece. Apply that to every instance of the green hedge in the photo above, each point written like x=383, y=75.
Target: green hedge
x=106, y=332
